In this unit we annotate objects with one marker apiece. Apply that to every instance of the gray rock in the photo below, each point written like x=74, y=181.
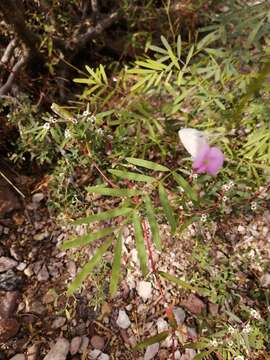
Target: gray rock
x=123, y=320
x=38, y=197
x=36, y=307
x=58, y=322
x=18, y=357
x=43, y=274
x=41, y=236
x=84, y=345
x=59, y=350
x=7, y=263
x=265, y=280
x=10, y=281
x=97, y=342
x=32, y=352
x=94, y=354
x=179, y=315
x=75, y=345
x=8, y=304
x=103, y=356
x=188, y=355
x=151, y=351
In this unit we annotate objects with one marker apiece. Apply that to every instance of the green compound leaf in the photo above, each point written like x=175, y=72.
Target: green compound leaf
x=116, y=265
x=113, y=192
x=151, y=340
x=132, y=176
x=187, y=188
x=140, y=246
x=86, y=270
x=152, y=221
x=167, y=208
x=106, y=215
x=86, y=239
x=176, y=281
x=147, y=164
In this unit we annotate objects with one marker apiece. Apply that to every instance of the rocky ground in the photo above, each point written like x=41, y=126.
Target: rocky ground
x=38, y=320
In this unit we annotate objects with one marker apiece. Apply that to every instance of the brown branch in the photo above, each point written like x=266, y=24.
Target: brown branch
x=8, y=52
x=12, y=76
x=81, y=41
x=14, y=16
x=94, y=5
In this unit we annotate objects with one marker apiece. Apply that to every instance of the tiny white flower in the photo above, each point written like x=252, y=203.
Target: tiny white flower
x=232, y=330
x=67, y=134
x=203, y=218
x=239, y=357
x=213, y=343
x=53, y=119
x=231, y=184
x=225, y=198
x=225, y=187
x=195, y=176
x=247, y=329
x=46, y=126
x=253, y=206
x=86, y=113
x=255, y=314
x=75, y=121
x=230, y=343
x=100, y=131
x=92, y=119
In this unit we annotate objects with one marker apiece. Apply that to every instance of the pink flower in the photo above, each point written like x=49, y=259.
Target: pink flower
x=209, y=160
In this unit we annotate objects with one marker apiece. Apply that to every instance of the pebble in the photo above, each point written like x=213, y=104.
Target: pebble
x=151, y=351
x=188, y=355
x=194, y=304
x=162, y=325
x=43, y=274
x=179, y=315
x=36, y=307
x=71, y=268
x=97, y=342
x=41, y=236
x=10, y=281
x=8, y=304
x=75, y=345
x=32, y=352
x=37, y=198
x=123, y=320
x=241, y=229
x=163, y=354
x=21, y=266
x=58, y=322
x=59, y=350
x=93, y=355
x=49, y=297
x=28, y=271
x=213, y=309
x=84, y=345
x=18, y=357
x=8, y=329
x=144, y=289
x=103, y=356
x=265, y=280
x=7, y=263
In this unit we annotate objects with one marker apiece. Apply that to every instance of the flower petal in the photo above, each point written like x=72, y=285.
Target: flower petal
x=214, y=161
x=201, y=157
